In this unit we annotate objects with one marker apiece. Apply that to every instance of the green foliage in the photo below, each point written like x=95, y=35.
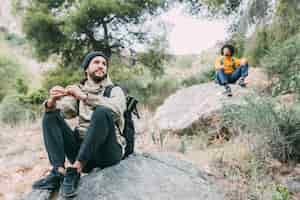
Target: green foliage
x=285, y=24
x=9, y=71
x=22, y=107
x=202, y=77
x=238, y=41
x=17, y=7
x=62, y=76
x=42, y=29
x=13, y=112
x=13, y=39
x=287, y=20
x=122, y=72
x=151, y=92
x=21, y=86
x=225, y=7
x=34, y=98
x=283, y=61
x=155, y=58
x=282, y=193
x=72, y=28
x=259, y=44
x=182, y=61
x=278, y=126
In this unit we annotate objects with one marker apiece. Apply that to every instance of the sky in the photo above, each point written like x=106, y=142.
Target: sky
x=191, y=35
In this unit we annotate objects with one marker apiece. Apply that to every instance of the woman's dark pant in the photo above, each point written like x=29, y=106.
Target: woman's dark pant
x=224, y=79
x=98, y=148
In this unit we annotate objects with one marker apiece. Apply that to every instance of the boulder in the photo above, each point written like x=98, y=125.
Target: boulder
x=201, y=102
x=144, y=176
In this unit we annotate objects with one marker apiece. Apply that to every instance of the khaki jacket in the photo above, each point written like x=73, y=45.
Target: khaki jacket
x=116, y=102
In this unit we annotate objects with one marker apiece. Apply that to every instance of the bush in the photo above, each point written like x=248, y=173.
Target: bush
x=21, y=86
x=13, y=112
x=238, y=41
x=287, y=20
x=9, y=71
x=14, y=39
x=202, y=77
x=151, y=92
x=278, y=126
x=62, y=76
x=35, y=98
x=258, y=45
x=283, y=61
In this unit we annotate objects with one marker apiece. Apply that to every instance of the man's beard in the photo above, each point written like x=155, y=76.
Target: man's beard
x=97, y=79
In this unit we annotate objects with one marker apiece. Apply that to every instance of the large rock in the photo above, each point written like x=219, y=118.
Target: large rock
x=143, y=177
x=202, y=102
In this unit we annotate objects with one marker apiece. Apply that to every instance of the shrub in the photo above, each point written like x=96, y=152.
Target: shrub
x=283, y=61
x=21, y=86
x=62, y=76
x=258, y=45
x=277, y=125
x=9, y=71
x=238, y=41
x=151, y=92
x=14, y=39
x=202, y=77
x=282, y=193
x=13, y=112
x=35, y=98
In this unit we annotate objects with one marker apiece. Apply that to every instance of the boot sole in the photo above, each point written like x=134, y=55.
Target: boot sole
x=70, y=195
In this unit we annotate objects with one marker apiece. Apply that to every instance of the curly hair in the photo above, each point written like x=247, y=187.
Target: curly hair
x=228, y=46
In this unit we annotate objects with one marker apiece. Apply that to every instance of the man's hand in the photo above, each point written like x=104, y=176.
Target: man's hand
x=55, y=93
x=76, y=92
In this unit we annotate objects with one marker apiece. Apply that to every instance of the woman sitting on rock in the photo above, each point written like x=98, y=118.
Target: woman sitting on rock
x=230, y=69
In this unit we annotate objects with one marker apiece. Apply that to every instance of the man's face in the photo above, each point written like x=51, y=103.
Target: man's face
x=227, y=52
x=97, y=68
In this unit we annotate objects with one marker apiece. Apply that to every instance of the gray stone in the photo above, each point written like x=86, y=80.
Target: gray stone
x=145, y=177
x=292, y=184
x=189, y=105
x=38, y=195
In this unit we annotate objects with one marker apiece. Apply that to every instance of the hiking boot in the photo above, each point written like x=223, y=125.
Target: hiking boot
x=70, y=183
x=228, y=91
x=51, y=182
x=242, y=82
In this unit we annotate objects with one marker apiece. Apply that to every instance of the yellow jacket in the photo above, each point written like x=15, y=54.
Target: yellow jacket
x=229, y=63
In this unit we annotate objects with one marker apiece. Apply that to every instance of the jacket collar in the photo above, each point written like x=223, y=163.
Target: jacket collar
x=91, y=86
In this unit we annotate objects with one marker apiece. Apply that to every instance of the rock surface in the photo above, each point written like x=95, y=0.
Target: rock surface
x=143, y=177
x=201, y=102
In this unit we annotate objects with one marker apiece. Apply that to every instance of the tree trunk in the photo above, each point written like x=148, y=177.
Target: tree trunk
x=107, y=48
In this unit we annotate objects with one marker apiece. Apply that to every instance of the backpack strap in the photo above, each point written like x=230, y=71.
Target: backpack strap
x=107, y=90
x=232, y=62
x=106, y=93
x=131, y=102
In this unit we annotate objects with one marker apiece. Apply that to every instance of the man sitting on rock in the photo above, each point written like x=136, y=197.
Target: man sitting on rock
x=230, y=69
x=95, y=142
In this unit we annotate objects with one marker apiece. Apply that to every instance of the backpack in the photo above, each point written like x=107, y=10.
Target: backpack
x=129, y=129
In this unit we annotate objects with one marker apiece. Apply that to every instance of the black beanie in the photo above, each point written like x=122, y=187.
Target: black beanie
x=89, y=57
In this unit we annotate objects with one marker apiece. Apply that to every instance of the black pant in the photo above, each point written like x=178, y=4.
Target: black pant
x=98, y=148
